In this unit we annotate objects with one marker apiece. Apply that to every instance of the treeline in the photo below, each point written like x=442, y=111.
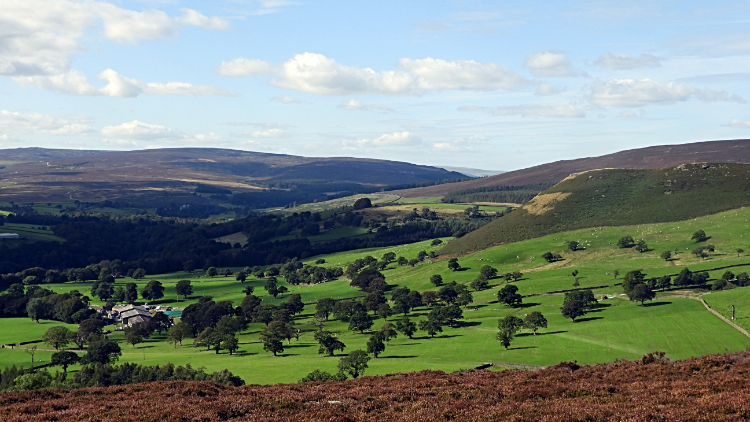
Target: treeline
x=510, y=194
x=105, y=375
x=159, y=246
x=71, y=307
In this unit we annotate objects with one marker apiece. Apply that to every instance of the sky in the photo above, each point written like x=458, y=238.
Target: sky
x=480, y=84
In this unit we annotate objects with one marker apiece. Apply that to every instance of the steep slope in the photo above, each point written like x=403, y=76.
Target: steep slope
x=615, y=197
x=36, y=174
x=731, y=151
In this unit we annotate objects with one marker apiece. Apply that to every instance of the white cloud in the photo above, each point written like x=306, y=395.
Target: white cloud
x=76, y=83
x=38, y=37
x=270, y=133
x=266, y=7
x=742, y=124
x=545, y=89
x=624, y=61
x=36, y=123
x=318, y=74
x=531, y=110
x=549, y=63
x=641, y=92
x=137, y=130
x=629, y=114
x=391, y=139
x=357, y=105
x=244, y=67
x=459, y=145
x=285, y=99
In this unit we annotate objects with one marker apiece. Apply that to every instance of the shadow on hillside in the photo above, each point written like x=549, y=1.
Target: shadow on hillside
x=461, y=324
x=589, y=319
x=526, y=305
x=243, y=353
x=296, y=346
x=398, y=357
x=404, y=344
x=540, y=334
x=521, y=348
x=648, y=305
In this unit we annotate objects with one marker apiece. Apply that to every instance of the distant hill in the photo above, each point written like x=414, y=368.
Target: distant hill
x=732, y=151
x=41, y=175
x=472, y=172
x=617, y=197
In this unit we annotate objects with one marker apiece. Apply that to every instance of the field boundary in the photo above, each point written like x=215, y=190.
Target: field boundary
x=740, y=329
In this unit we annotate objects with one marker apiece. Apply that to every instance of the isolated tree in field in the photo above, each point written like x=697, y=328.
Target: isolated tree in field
x=325, y=307
x=505, y=338
x=177, y=333
x=548, y=256
x=137, y=333
x=153, y=290
x=212, y=272
x=479, y=284
x=516, y=275
x=631, y=279
x=666, y=255
x=376, y=344
x=354, y=364
x=360, y=321
x=64, y=359
x=487, y=272
x=739, y=251
x=641, y=293
x=131, y=293
x=453, y=264
x=406, y=327
x=509, y=295
x=626, y=242
x=184, y=288
x=389, y=257
x=230, y=343
x=138, y=274
x=248, y=290
x=389, y=331
x=37, y=308
x=641, y=246
x=226, y=272
x=535, y=321
x=436, y=242
x=573, y=245
x=271, y=286
x=699, y=236
x=103, y=351
x=573, y=309
x=616, y=273
x=431, y=327
x=508, y=327
x=58, y=337
x=241, y=276
x=329, y=343
x=436, y=279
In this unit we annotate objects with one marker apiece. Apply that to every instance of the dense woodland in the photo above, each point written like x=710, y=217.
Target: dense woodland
x=499, y=194
x=160, y=245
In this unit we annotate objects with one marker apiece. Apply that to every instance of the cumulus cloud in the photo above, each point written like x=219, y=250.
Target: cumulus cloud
x=37, y=37
x=357, y=105
x=266, y=7
x=76, y=83
x=742, y=124
x=531, y=110
x=317, y=74
x=285, y=99
x=624, y=61
x=549, y=64
x=270, y=133
x=391, y=140
x=642, y=92
x=545, y=89
x=137, y=130
x=459, y=145
x=36, y=123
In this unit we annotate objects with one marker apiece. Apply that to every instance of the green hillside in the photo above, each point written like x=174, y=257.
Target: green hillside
x=617, y=197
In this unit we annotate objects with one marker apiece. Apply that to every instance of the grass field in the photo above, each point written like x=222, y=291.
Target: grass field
x=32, y=231
x=617, y=329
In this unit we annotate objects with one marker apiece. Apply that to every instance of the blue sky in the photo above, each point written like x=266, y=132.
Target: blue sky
x=493, y=85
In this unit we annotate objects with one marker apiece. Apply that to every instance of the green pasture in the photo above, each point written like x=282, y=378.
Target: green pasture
x=32, y=231
x=617, y=329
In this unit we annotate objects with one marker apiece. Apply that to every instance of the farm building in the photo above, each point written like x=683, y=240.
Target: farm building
x=131, y=314
x=9, y=236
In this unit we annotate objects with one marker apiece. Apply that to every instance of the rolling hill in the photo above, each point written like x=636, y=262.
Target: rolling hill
x=730, y=151
x=42, y=175
x=617, y=197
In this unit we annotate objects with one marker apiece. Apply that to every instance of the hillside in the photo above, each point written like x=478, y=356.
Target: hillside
x=731, y=151
x=617, y=197
x=712, y=388
x=48, y=175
